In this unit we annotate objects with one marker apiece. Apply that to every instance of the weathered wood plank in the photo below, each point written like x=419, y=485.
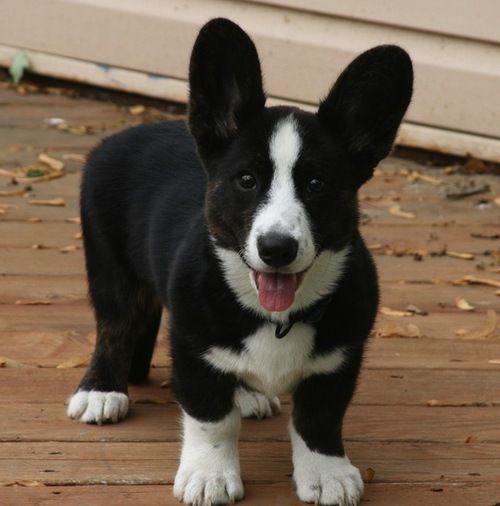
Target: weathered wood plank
x=383, y=387
x=150, y=420
x=58, y=463
x=265, y=494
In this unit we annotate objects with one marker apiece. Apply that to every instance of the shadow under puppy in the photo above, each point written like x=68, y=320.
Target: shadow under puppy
x=245, y=226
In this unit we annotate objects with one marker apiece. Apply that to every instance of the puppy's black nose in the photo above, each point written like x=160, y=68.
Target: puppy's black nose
x=277, y=250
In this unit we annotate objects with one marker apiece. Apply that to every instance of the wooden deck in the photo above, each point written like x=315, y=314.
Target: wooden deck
x=424, y=427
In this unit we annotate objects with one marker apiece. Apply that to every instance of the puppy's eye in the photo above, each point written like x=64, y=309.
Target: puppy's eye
x=247, y=181
x=315, y=185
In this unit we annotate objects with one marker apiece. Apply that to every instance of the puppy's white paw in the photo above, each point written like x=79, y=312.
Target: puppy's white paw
x=98, y=407
x=205, y=485
x=256, y=405
x=323, y=479
x=333, y=482
x=209, y=472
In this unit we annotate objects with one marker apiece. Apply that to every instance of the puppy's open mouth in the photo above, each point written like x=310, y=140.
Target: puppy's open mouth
x=276, y=289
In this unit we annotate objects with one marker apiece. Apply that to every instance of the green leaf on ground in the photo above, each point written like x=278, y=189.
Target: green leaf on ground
x=19, y=64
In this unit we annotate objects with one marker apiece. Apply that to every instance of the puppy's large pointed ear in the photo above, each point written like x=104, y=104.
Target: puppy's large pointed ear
x=225, y=83
x=366, y=105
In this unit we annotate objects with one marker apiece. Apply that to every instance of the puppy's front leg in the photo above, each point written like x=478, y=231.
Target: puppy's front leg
x=209, y=470
x=322, y=471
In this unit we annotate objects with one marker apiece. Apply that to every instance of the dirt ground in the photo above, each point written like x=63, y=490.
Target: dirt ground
x=424, y=426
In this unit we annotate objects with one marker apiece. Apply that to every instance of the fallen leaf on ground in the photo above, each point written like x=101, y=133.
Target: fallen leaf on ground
x=10, y=363
x=19, y=64
x=69, y=249
x=416, y=310
x=34, y=220
x=38, y=179
x=78, y=235
x=387, y=311
x=74, y=362
x=462, y=194
x=73, y=220
x=50, y=162
x=33, y=302
x=396, y=211
x=463, y=304
x=75, y=157
x=369, y=474
x=485, y=236
x=473, y=280
x=463, y=256
x=12, y=193
x=149, y=400
x=38, y=246
x=487, y=329
x=58, y=202
x=470, y=439
x=165, y=384
x=494, y=361
x=418, y=176
x=136, y=109
x=24, y=483
x=388, y=331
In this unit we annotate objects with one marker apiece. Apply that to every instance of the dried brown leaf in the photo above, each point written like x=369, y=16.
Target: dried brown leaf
x=416, y=310
x=75, y=157
x=396, y=211
x=473, y=280
x=135, y=110
x=369, y=474
x=69, y=249
x=58, y=202
x=38, y=179
x=462, y=256
x=165, y=384
x=394, y=312
x=24, y=483
x=73, y=220
x=149, y=400
x=463, y=304
x=389, y=331
x=78, y=235
x=33, y=302
x=12, y=193
x=35, y=219
x=74, y=362
x=418, y=176
x=487, y=329
x=51, y=163
x=10, y=363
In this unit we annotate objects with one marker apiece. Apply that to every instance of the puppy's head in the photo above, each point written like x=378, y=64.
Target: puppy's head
x=281, y=201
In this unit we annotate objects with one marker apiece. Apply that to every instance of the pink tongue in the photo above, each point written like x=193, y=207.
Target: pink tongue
x=276, y=291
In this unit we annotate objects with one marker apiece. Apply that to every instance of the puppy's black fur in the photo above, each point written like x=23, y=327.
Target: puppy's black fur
x=156, y=198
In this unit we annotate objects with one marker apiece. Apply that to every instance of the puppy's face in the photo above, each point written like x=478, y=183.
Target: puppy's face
x=279, y=196
x=281, y=200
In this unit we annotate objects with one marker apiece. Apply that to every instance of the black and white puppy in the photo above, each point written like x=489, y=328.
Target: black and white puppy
x=245, y=226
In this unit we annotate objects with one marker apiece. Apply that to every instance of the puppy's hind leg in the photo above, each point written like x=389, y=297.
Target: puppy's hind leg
x=126, y=312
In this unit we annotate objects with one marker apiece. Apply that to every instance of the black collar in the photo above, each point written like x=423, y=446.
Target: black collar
x=310, y=315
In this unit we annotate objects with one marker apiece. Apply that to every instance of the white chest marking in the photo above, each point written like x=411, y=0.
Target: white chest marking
x=274, y=366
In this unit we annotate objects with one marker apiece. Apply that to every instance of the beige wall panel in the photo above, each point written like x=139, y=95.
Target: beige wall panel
x=457, y=80
x=474, y=19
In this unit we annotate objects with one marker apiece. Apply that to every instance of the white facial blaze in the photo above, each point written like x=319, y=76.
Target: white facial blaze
x=283, y=212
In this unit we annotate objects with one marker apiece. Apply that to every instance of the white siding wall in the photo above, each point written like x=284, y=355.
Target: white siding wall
x=144, y=45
